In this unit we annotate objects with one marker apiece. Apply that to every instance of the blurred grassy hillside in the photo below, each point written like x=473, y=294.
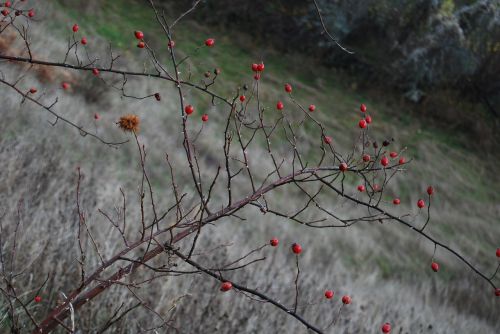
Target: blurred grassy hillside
x=385, y=268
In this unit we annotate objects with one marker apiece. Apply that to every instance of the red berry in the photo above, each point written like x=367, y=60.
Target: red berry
x=84, y=40
x=5, y=12
x=362, y=124
x=171, y=44
x=498, y=252
x=497, y=292
x=226, y=286
x=343, y=167
x=255, y=67
x=204, y=118
x=420, y=203
x=402, y=160
x=189, y=109
x=386, y=328
x=65, y=85
x=296, y=248
x=362, y=107
x=430, y=190
x=327, y=139
x=396, y=201
x=384, y=161
x=139, y=34
x=288, y=88
x=279, y=105
x=393, y=154
x=312, y=107
x=157, y=97
x=38, y=299
x=33, y=90
x=366, y=157
x=7, y=4
x=329, y=294
x=274, y=242
x=141, y=45
x=376, y=187
x=242, y=98
x=346, y=300
x=96, y=116
x=368, y=119
x=260, y=67
x=256, y=76
x=361, y=188
x=435, y=266
x=31, y=13
x=210, y=42
x=75, y=27
x=95, y=71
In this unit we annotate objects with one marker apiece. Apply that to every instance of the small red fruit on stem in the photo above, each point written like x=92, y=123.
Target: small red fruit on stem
x=288, y=88
x=7, y=4
x=242, y=98
x=402, y=160
x=5, y=12
x=171, y=44
x=312, y=107
x=386, y=328
x=420, y=203
x=84, y=41
x=274, y=242
x=65, y=85
x=498, y=252
x=31, y=13
x=280, y=105
x=255, y=67
x=260, y=67
x=296, y=248
x=346, y=300
x=38, y=299
x=430, y=190
x=33, y=90
x=366, y=157
x=384, y=161
x=204, y=118
x=75, y=27
x=396, y=201
x=393, y=154
x=139, y=34
x=96, y=116
x=343, y=167
x=189, y=109
x=362, y=124
x=256, y=76
x=226, y=286
x=362, y=107
x=210, y=42
x=141, y=45
x=327, y=139
x=435, y=266
x=368, y=119
x=497, y=292
x=329, y=294
x=361, y=188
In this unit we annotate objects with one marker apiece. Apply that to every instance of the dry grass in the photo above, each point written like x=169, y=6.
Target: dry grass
x=384, y=268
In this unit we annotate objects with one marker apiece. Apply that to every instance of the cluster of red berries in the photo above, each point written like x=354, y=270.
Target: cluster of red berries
x=257, y=69
x=140, y=36
x=363, y=123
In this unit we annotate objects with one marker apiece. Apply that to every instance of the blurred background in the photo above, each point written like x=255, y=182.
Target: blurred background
x=429, y=72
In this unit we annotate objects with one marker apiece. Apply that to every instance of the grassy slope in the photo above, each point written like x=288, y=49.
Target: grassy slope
x=465, y=184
